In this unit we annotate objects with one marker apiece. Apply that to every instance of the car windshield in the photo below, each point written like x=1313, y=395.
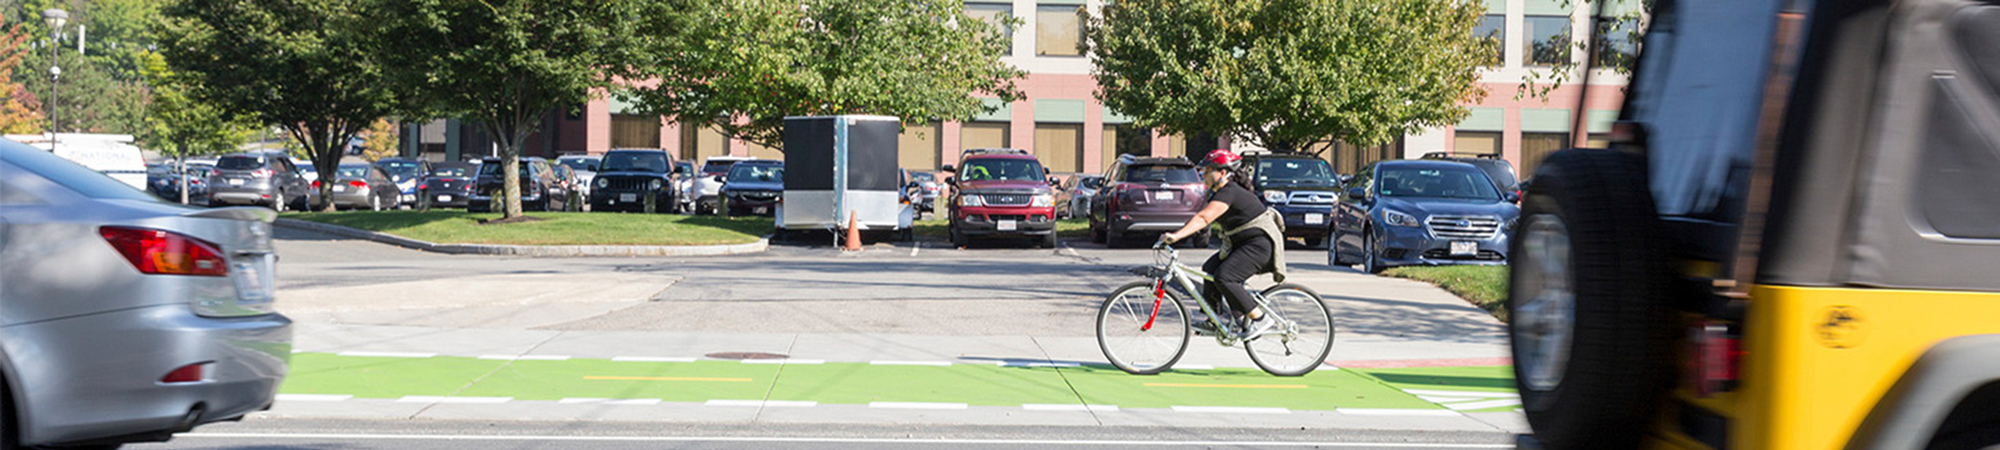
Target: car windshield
x=240, y=163
x=1162, y=173
x=923, y=177
x=757, y=173
x=401, y=170
x=583, y=164
x=492, y=168
x=449, y=172
x=716, y=167
x=1003, y=169
x=1285, y=173
x=1459, y=183
x=635, y=162
x=356, y=172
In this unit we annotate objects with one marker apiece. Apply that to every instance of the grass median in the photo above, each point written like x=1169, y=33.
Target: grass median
x=1484, y=286
x=554, y=228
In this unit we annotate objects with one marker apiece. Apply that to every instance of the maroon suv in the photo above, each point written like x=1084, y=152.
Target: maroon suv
x=1001, y=193
x=1143, y=197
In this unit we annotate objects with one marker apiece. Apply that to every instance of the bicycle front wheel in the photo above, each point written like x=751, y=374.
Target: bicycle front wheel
x=1141, y=333
x=1302, y=339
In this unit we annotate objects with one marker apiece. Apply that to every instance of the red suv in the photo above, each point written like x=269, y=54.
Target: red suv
x=1001, y=193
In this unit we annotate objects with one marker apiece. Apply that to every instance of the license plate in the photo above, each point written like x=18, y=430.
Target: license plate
x=235, y=182
x=760, y=210
x=252, y=283
x=1005, y=225
x=444, y=198
x=628, y=197
x=1315, y=218
x=1464, y=248
x=1163, y=195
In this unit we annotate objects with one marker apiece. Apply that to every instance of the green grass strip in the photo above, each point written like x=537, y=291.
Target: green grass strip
x=1483, y=286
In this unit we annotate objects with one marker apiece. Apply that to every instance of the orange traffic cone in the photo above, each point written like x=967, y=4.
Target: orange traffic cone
x=853, y=234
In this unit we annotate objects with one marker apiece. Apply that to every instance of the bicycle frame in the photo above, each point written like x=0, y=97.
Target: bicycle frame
x=1185, y=276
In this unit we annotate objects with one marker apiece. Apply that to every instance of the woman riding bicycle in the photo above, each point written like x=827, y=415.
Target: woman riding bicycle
x=1252, y=238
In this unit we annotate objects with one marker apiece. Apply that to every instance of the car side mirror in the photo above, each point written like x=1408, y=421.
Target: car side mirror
x=948, y=168
x=1053, y=181
x=717, y=178
x=1357, y=194
x=952, y=181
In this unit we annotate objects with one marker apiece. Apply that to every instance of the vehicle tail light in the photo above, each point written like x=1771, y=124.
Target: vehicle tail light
x=156, y=252
x=1717, y=354
x=191, y=373
x=263, y=173
x=424, y=187
x=357, y=183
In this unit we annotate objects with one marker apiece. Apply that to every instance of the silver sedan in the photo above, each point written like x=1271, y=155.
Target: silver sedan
x=123, y=318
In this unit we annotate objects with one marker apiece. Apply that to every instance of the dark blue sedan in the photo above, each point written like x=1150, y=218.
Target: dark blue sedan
x=753, y=188
x=1415, y=212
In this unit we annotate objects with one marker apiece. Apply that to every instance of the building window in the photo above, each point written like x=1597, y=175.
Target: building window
x=631, y=131
x=917, y=147
x=1617, y=43
x=1058, y=30
x=997, y=15
x=1059, y=146
x=698, y=143
x=1476, y=143
x=1535, y=146
x=1492, y=31
x=1547, y=40
x=1125, y=139
x=983, y=135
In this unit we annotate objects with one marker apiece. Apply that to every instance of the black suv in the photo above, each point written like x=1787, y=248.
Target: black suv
x=1499, y=170
x=540, y=191
x=627, y=178
x=1146, y=196
x=1303, y=188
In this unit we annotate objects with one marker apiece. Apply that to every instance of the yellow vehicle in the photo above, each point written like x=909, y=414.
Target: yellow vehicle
x=1793, y=241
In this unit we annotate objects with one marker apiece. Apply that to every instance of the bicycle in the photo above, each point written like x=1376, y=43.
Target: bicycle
x=1153, y=314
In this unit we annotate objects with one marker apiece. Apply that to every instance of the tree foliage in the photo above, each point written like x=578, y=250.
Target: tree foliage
x=743, y=65
x=504, y=63
x=20, y=113
x=381, y=141
x=303, y=65
x=179, y=125
x=1288, y=74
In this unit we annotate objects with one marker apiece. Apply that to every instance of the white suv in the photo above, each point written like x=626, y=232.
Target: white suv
x=706, y=186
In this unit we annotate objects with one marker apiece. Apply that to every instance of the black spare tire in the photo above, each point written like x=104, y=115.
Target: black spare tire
x=1588, y=315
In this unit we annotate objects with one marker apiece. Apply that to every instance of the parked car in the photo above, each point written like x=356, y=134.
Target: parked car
x=127, y=319
x=586, y=170
x=1302, y=188
x=405, y=172
x=753, y=187
x=706, y=188
x=1143, y=197
x=924, y=188
x=539, y=189
x=357, y=186
x=684, y=185
x=1499, y=170
x=194, y=175
x=1418, y=212
x=628, y=177
x=263, y=179
x=449, y=185
x=1073, y=199
x=1000, y=193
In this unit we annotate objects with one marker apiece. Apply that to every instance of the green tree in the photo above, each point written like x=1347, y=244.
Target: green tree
x=743, y=65
x=179, y=125
x=504, y=63
x=20, y=113
x=302, y=65
x=1290, y=75
x=88, y=99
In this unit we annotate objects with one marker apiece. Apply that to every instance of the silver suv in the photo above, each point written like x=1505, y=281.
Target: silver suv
x=263, y=179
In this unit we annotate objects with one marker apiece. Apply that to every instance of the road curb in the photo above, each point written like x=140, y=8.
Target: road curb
x=528, y=250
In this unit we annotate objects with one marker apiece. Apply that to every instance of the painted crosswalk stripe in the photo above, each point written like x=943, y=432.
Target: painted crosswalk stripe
x=387, y=354
x=649, y=359
x=784, y=361
x=313, y=398
x=456, y=400
x=1484, y=404
x=1231, y=410
x=1047, y=407
x=762, y=403
x=915, y=405
x=610, y=401
x=1480, y=394
x=911, y=363
x=525, y=357
x=1394, y=412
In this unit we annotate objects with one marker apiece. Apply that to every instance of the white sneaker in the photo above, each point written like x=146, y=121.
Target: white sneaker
x=1259, y=326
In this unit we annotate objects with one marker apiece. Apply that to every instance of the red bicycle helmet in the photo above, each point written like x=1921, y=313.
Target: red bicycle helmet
x=1221, y=159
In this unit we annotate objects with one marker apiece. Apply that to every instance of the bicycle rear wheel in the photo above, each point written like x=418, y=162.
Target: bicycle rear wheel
x=1302, y=343
x=1141, y=333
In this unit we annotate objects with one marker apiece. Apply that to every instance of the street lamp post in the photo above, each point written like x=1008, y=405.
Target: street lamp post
x=56, y=18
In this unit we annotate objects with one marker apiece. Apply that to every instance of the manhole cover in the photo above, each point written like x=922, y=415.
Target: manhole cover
x=745, y=355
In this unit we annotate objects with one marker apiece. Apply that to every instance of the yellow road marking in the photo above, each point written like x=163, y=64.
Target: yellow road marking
x=1230, y=386
x=744, y=380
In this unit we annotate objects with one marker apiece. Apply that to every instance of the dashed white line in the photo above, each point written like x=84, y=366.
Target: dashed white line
x=313, y=398
x=525, y=357
x=1193, y=367
x=1484, y=405
x=454, y=400
x=387, y=354
x=911, y=363
x=1394, y=412
x=1047, y=407
x=611, y=401
x=649, y=359
x=762, y=403
x=1435, y=399
x=784, y=361
x=1463, y=393
x=915, y=405
x=1231, y=410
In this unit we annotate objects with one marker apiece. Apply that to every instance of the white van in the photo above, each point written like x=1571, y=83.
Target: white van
x=111, y=154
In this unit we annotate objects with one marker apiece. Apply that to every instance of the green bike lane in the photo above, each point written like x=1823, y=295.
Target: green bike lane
x=893, y=384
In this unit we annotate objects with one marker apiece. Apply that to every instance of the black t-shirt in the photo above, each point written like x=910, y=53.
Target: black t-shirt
x=1243, y=206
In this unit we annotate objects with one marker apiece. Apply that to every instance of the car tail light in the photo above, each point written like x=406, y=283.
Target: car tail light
x=263, y=173
x=315, y=184
x=157, y=252
x=1717, y=355
x=357, y=183
x=191, y=373
x=424, y=187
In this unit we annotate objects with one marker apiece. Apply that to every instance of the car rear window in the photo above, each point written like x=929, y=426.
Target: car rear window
x=757, y=173
x=493, y=168
x=1162, y=173
x=717, y=167
x=351, y=172
x=76, y=177
x=448, y=172
x=239, y=163
x=402, y=170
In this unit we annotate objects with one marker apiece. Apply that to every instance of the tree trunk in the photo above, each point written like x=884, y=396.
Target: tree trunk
x=510, y=178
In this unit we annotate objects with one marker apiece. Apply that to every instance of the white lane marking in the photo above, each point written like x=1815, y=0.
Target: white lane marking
x=1193, y=367
x=525, y=357
x=1463, y=393
x=1484, y=405
x=1435, y=399
x=879, y=441
x=784, y=361
x=1394, y=412
x=1046, y=407
x=1038, y=364
x=649, y=359
x=1231, y=410
x=915, y=405
x=611, y=401
x=910, y=363
x=313, y=398
x=455, y=400
x=762, y=403
x=387, y=354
